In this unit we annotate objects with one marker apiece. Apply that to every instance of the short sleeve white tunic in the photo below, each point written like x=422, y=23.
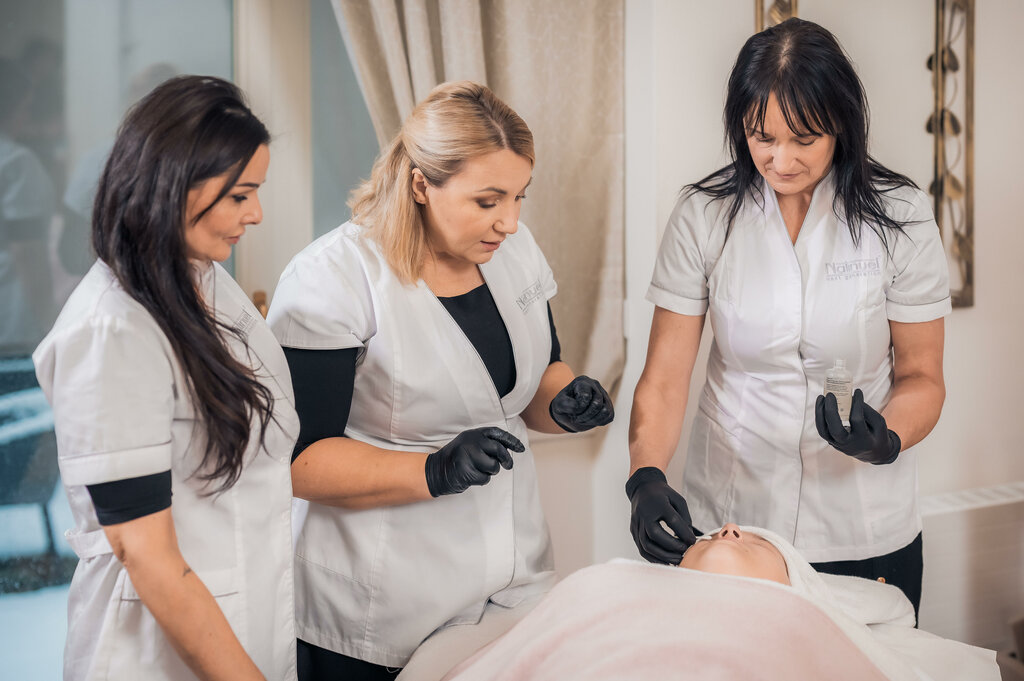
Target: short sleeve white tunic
x=373, y=584
x=121, y=410
x=781, y=314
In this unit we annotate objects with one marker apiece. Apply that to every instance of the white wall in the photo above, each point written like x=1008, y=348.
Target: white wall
x=272, y=66
x=678, y=55
x=977, y=440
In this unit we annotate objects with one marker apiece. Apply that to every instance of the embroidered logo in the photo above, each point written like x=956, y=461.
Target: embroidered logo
x=529, y=294
x=850, y=269
x=244, y=323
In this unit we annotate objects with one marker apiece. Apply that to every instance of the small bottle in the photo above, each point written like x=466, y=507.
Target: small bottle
x=839, y=382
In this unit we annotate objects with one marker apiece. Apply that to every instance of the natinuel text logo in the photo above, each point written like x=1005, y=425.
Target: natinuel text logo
x=867, y=267
x=530, y=294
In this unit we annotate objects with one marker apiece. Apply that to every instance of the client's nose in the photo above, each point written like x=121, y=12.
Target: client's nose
x=730, y=531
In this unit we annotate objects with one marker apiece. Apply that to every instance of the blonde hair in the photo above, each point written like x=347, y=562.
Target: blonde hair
x=456, y=122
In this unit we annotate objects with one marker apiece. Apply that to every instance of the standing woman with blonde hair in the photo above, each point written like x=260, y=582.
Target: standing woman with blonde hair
x=422, y=347
x=165, y=381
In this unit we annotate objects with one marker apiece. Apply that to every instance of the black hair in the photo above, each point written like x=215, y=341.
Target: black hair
x=818, y=91
x=186, y=131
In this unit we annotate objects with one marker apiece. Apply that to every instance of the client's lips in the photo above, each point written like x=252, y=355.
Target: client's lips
x=491, y=245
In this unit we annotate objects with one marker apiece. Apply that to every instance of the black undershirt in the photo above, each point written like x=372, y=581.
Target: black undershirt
x=323, y=381
x=478, y=317
x=123, y=500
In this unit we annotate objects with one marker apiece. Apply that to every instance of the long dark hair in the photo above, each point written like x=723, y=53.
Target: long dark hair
x=186, y=131
x=818, y=91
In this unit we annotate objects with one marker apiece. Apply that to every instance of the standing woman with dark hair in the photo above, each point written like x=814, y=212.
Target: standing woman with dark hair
x=804, y=251
x=164, y=379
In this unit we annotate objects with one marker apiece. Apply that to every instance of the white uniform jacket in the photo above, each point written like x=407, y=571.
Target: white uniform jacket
x=122, y=410
x=372, y=584
x=781, y=314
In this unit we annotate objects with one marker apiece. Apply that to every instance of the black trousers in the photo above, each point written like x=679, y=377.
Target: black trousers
x=318, y=664
x=902, y=568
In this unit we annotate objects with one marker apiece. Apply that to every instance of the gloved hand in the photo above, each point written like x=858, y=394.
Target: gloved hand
x=582, y=405
x=868, y=440
x=654, y=501
x=470, y=459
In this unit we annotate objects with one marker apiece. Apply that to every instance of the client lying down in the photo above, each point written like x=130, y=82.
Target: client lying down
x=742, y=605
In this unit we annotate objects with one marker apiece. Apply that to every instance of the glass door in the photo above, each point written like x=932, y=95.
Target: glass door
x=68, y=71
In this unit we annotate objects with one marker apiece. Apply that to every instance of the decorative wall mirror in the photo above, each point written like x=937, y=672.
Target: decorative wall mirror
x=952, y=125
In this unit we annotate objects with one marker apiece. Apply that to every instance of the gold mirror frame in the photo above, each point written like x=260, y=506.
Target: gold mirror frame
x=952, y=124
x=777, y=12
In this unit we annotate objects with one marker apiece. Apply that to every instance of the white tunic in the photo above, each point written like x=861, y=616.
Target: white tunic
x=781, y=314
x=122, y=410
x=372, y=584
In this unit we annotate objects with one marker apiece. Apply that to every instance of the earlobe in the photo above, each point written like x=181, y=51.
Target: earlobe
x=419, y=186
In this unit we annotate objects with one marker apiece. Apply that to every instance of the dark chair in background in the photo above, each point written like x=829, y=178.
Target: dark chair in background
x=28, y=446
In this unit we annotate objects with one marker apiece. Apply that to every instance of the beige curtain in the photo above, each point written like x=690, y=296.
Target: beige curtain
x=559, y=65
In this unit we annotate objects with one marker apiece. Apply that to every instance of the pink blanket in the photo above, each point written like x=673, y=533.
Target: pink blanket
x=624, y=620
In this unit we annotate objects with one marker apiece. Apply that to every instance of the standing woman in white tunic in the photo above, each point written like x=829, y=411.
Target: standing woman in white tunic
x=164, y=379
x=422, y=347
x=802, y=251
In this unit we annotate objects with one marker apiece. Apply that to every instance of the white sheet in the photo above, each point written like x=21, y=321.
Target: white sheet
x=861, y=605
x=632, y=620
x=623, y=621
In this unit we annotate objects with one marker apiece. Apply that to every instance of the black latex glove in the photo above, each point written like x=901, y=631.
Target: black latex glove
x=470, y=459
x=654, y=501
x=868, y=440
x=582, y=405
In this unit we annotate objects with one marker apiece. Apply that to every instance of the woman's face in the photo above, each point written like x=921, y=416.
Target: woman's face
x=734, y=552
x=793, y=162
x=212, y=237
x=469, y=217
